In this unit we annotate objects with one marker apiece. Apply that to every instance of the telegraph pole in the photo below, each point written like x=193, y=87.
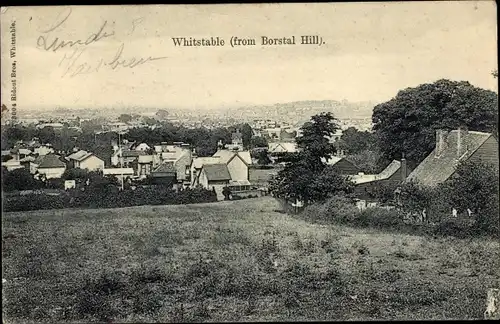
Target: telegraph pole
x=121, y=156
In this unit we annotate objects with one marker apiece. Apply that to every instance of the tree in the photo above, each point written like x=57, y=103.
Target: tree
x=246, y=134
x=354, y=141
x=474, y=186
x=125, y=118
x=368, y=161
x=261, y=155
x=303, y=176
x=19, y=179
x=414, y=197
x=162, y=114
x=314, y=142
x=408, y=123
x=328, y=184
x=80, y=175
x=46, y=135
x=258, y=141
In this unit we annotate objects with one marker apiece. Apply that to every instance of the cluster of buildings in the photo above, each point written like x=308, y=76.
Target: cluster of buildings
x=452, y=147
x=172, y=164
x=177, y=164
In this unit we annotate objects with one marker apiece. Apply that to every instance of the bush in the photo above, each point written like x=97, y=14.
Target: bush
x=456, y=227
x=336, y=209
x=109, y=196
x=379, y=218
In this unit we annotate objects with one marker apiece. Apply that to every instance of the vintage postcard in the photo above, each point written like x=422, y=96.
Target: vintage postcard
x=250, y=162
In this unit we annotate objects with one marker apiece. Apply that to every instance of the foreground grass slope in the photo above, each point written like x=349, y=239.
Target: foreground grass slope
x=232, y=261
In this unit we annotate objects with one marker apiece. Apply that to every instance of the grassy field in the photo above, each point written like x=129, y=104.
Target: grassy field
x=232, y=261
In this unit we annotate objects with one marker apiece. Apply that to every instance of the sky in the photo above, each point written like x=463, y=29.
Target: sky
x=370, y=52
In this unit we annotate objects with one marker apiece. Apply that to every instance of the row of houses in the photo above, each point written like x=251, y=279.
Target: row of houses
x=452, y=147
x=173, y=164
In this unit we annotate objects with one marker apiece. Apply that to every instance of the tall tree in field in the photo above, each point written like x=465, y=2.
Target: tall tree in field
x=314, y=142
x=305, y=176
x=408, y=123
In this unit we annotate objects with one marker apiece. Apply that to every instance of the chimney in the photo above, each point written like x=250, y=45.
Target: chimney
x=404, y=169
x=461, y=141
x=440, y=142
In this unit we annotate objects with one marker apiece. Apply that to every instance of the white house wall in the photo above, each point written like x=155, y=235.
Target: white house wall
x=237, y=169
x=52, y=173
x=92, y=163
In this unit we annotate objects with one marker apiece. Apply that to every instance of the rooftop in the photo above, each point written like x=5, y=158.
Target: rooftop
x=216, y=172
x=435, y=169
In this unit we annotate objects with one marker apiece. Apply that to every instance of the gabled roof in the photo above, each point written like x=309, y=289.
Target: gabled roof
x=216, y=172
x=199, y=162
x=118, y=171
x=332, y=160
x=237, y=136
x=390, y=170
x=289, y=147
x=166, y=167
x=28, y=158
x=50, y=161
x=141, y=145
x=20, y=150
x=227, y=155
x=131, y=153
x=437, y=169
x=80, y=155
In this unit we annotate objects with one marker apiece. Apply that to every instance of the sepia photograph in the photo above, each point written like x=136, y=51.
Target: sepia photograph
x=250, y=162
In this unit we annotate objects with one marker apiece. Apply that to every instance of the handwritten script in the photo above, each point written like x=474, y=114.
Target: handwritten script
x=73, y=64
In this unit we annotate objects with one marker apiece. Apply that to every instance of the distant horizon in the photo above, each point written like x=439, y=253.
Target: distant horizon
x=211, y=109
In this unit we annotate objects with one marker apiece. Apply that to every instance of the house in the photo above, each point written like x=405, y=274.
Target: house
x=273, y=133
x=50, y=166
x=43, y=149
x=165, y=174
x=282, y=147
x=12, y=165
x=215, y=176
x=142, y=147
x=125, y=158
x=451, y=148
x=28, y=163
x=19, y=153
x=120, y=173
x=237, y=163
x=287, y=135
x=197, y=164
x=341, y=165
x=335, y=136
x=145, y=165
x=367, y=185
x=86, y=160
x=182, y=165
x=55, y=126
x=69, y=184
x=236, y=141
